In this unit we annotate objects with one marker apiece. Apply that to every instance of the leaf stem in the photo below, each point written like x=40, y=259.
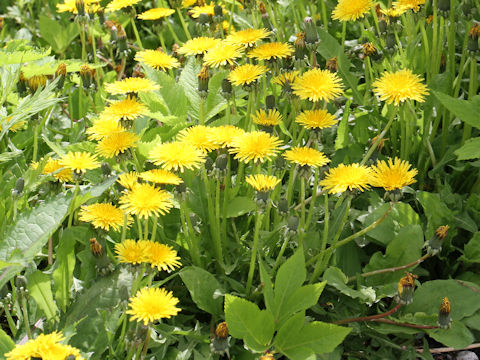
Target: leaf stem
x=258, y=222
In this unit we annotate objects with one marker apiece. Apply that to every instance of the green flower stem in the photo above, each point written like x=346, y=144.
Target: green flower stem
x=256, y=232
x=435, y=53
x=154, y=229
x=145, y=230
x=81, y=29
x=24, y=307
x=11, y=323
x=136, y=162
x=35, y=141
x=324, y=15
x=450, y=28
x=226, y=192
x=248, y=117
x=201, y=117
x=320, y=255
x=135, y=31
x=147, y=339
x=184, y=25
x=344, y=34
x=311, y=209
x=280, y=254
x=472, y=89
x=72, y=204
x=124, y=228
x=218, y=215
x=302, y=203
x=239, y=178
x=426, y=47
x=139, y=226
x=162, y=40
x=174, y=34
x=190, y=236
x=230, y=20
x=462, y=66
x=291, y=180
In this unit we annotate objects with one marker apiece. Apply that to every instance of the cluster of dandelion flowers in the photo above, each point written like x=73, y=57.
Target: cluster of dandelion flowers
x=79, y=161
x=103, y=216
x=198, y=136
x=151, y=304
x=224, y=135
x=246, y=74
x=177, y=156
x=255, y=146
x=103, y=126
x=271, y=51
x=116, y=143
x=262, y=182
x=393, y=175
x=128, y=180
x=316, y=119
x=396, y=87
x=347, y=177
x=145, y=200
x=158, y=255
x=270, y=117
x=316, y=85
x=247, y=37
x=198, y=45
x=305, y=156
x=156, y=14
x=130, y=86
x=209, y=10
x=91, y=6
x=44, y=346
x=120, y=4
x=57, y=170
x=157, y=59
x=404, y=5
x=351, y=10
x=159, y=176
x=222, y=54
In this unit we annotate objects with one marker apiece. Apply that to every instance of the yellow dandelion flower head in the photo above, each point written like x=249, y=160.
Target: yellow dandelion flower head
x=198, y=45
x=161, y=256
x=222, y=54
x=247, y=37
x=145, y=200
x=270, y=117
x=286, y=78
x=347, y=177
x=224, y=135
x=103, y=216
x=209, y=9
x=58, y=171
x=44, y=346
x=151, y=304
x=351, y=10
x=131, y=251
x=128, y=180
x=392, y=12
x=396, y=87
x=102, y=127
x=393, y=175
x=271, y=51
x=246, y=74
x=120, y=4
x=79, y=161
x=316, y=119
x=262, y=182
x=157, y=59
x=256, y=146
x=159, y=176
x=316, y=85
x=198, y=136
x=305, y=156
x=126, y=109
x=117, y=143
x=131, y=85
x=404, y=5
x=156, y=14
x=188, y=3
x=177, y=156
x=91, y=6
x=15, y=127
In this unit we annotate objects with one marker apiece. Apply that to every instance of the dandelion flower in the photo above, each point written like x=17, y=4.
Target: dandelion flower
x=347, y=177
x=209, y=9
x=15, y=127
x=131, y=85
x=198, y=136
x=126, y=109
x=157, y=59
x=224, y=135
x=246, y=74
x=120, y=4
x=102, y=127
x=392, y=12
x=198, y=45
x=392, y=175
x=57, y=170
x=161, y=256
x=222, y=54
x=188, y=3
x=145, y=200
x=396, y=87
x=271, y=51
x=270, y=117
x=103, y=216
x=316, y=85
x=128, y=180
x=262, y=182
x=347, y=10
x=247, y=37
x=159, y=176
x=156, y=14
x=316, y=119
x=177, y=156
x=91, y=6
x=404, y=5
x=151, y=304
x=131, y=251
x=79, y=161
x=117, y=143
x=256, y=146
x=305, y=156
x=286, y=78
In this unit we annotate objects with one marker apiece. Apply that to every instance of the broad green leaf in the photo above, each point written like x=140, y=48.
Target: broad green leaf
x=457, y=336
x=246, y=321
x=240, y=206
x=342, y=131
x=39, y=287
x=292, y=326
x=59, y=36
x=469, y=150
x=472, y=249
x=336, y=278
x=267, y=287
x=18, y=57
x=64, y=265
x=48, y=66
x=465, y=110
x=437, y=212
x=6, y=344
x=204, y=289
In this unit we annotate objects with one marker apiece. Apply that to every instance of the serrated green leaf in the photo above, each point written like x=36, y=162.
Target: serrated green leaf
x=472, y=249
x=64, y=265
x=39, y=287
x=240, y=206
x=470, y=150
x=465, y=110
x=336, y=278
x=18, y=57
x=267, y=287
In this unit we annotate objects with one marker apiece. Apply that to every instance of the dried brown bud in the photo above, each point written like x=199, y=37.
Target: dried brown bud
x=37, y=81
x=332, y=64
x=61, y=70
x=474, y=31
x=444, y=319
x=369, y=49
x=262, y=7
x=406, y=288
x=95, y=247
x=222, y=330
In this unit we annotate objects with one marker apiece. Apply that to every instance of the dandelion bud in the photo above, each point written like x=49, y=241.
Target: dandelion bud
x=61, y=74
x=434, y=245
x=406, y=288
x=181, y=188
x=19, y=186
x=382, y=26
x=122, y=40
x=80, y=5
x=283, y=206
x=262, y=198
x=332, y=65
x=87, y=74
x=280, y=163
x=36, y=82
x=300, y=46
x=270, y=102
x=221, y=162
x=218, y=13
x=204, y=19
x=369, y=49
x=443, y=6
x=472, y=43
x=101, y=16
x=203, y=77
x=311, y=34
x=106, y=169
x=21, y=282
x=95, y=247
x=21, y=85
x=468, y=9
x=292, y=224
x=227, y=89
x=262, y=8
x=222, y=331
x=112, y=26
x=266, y=21
x=444, y=319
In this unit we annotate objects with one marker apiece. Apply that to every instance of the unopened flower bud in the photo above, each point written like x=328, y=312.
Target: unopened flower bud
x=218, y=12
x=292, y=224
x=222, y=330
x=101, y=16
x=369, y=49
x=95, y=247
x=21, y=282
x=300, y=46
x=204, y=19
x=390, y=41
x=468, y=9
x=332, y=64
x=311, y=34
x=61, y=74
x=283, y=206
x=262, y=8
x=21, y=84
x=106, y=169
x=434, y=245
x=87, y=74
x=406, y=288
x=36, y=82
x=444, y=319
x=203, y=77
x=443, y=6
x=80, y=5
x=19, y=186
x=221, y=162
x=270, y=102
